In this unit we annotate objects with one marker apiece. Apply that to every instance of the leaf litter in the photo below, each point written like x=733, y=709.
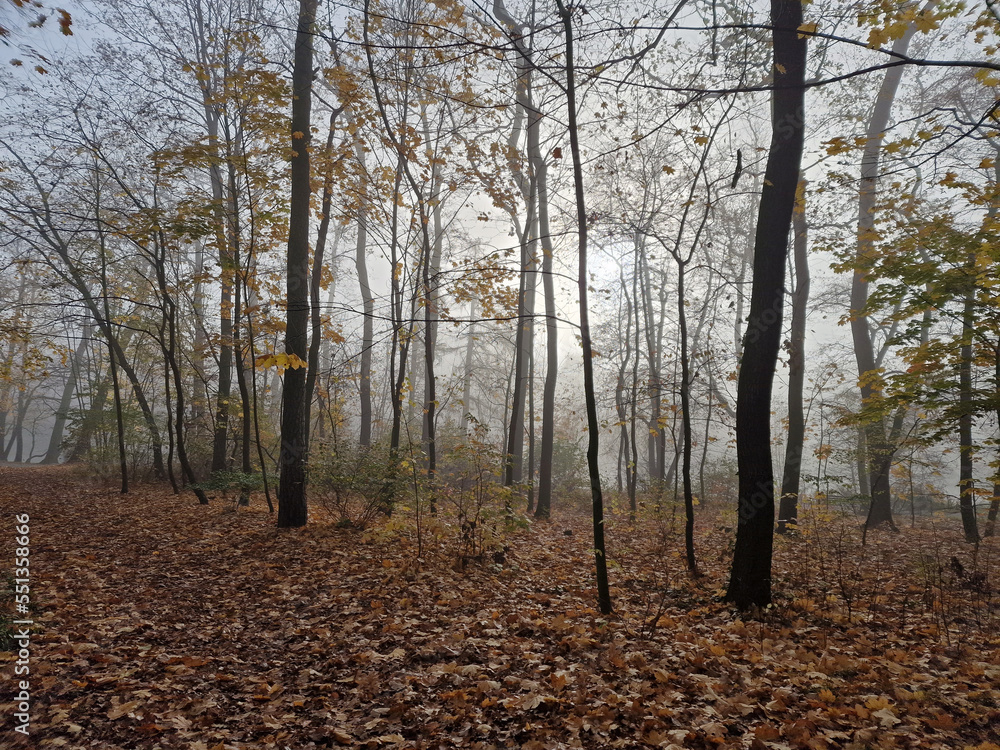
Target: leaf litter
x=164, y=624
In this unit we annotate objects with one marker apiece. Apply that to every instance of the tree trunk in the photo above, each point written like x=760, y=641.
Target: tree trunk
x=656, y=434
x=750, y=581
x=94, y=410
x=528, y=186
x=434, y=250
x=788, y=509
x=593, y=427
x=226, y=270
x=879, y=450
x=544, y=505
x=239, y=286
x=470, y=344
x=967, y=482
x=62, y=412
x=17, y=436
x=367, y=301
x=292, y=509
x=400, y=337
x=623, y=396
x=530, y=478
x=522, y=342
x=220, y=440
x=168, y=346
x=864, y=480
x=685, y=423
x=199, y=376
x=316, y=280
x=991, y=517
x=106, y=309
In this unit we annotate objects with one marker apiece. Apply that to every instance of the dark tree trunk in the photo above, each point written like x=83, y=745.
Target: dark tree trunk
x=750, y=581
x=513, y=467
x=544, y=506
x=692, y=564
x=432, y=269
x=119, y=421
x=593, y=427
x=292, y=509
x=400, y=338
x=991, y=517
x=530, y=479
x=168, y=403
x=788, y=508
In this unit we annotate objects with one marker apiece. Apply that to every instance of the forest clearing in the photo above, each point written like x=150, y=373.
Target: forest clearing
x=163, y=624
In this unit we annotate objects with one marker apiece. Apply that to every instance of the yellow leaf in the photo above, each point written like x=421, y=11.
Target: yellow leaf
x=295, y=362
x=836, y=146
x=265, y=361
x=986, y=77
x=877, y=38
x=807, y=29
x=877, y=703
x=926, y=22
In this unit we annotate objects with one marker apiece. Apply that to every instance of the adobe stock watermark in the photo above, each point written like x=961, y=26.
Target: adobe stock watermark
x=760, y=497
x=21, y=627
x=758, y=325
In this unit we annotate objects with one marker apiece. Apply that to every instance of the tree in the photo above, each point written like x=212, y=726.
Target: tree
x=878, y=443
x=792, y=472
x=750, y=578
x=292, y=510
x=593, y=427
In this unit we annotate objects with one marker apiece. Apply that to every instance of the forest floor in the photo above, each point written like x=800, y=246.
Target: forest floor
x=160, y=623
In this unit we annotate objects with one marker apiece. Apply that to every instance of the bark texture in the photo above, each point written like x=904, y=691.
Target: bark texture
x=750, y=580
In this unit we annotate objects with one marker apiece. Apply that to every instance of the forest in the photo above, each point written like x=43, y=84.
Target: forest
x=500, y=373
